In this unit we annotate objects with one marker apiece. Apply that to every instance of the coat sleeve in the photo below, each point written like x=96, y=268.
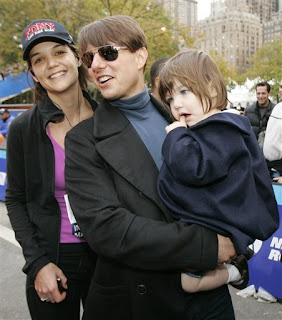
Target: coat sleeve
x=17, y=207
x=200, y=157
x=272, y=147
x=117, y=233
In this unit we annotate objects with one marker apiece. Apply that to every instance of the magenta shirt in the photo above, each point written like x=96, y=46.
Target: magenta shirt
x=66, y=235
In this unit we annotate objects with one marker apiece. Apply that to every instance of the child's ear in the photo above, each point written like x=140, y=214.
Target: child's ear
x=213, y=91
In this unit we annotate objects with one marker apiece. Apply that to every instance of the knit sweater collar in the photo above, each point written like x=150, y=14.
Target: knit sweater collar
x=138, y=102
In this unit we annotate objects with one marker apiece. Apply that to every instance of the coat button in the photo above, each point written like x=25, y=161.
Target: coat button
x=141, y=289
x=142, y=195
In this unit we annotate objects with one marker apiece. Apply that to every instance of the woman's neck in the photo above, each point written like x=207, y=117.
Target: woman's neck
x=71, y=103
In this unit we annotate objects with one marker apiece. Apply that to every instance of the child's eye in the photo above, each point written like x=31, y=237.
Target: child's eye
x=169, y=100
x=184, y=91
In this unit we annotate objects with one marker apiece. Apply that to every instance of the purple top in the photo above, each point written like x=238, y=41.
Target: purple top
x=60, y=190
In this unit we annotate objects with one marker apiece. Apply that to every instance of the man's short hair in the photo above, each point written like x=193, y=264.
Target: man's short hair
x=264, y=84
x=120, y=29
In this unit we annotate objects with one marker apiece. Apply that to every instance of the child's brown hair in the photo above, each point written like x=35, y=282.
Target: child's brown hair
x=199, y=73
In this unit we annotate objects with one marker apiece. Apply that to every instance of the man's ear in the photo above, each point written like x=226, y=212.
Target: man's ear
x=142, y=55
x=157, y=80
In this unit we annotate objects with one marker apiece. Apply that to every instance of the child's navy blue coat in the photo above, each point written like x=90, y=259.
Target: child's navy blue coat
x=214, y=174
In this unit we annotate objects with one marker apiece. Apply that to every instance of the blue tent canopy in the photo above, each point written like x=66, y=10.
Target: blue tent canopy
x=14, y=85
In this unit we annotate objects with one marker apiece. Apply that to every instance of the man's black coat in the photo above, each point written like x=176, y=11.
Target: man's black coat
x=111, y=181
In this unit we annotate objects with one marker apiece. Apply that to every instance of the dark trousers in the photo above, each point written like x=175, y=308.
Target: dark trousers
x=77, y=262
x=210, y=305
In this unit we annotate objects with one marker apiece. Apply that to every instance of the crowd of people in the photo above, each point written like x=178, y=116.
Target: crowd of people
x=128, y=205
x=11, y=70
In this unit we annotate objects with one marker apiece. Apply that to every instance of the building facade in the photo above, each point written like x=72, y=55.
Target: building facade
x=272, y=29
x=236, y=29
x=263, y=8
x=181, y=11
x=232, y=32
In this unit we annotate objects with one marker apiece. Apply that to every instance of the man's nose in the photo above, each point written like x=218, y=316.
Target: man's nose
x=98, y=62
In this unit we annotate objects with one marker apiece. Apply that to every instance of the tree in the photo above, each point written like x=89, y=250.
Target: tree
x=16, y=14
x=163, y=37
x=267, y=64
x=228, y=73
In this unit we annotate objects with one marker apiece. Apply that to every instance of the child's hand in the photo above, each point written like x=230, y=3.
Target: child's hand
x=176, y=124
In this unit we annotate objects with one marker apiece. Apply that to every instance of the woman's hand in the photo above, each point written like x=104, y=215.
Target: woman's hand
x=46, y=283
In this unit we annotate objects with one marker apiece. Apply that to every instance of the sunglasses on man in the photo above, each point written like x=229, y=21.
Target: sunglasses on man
x=107, y=53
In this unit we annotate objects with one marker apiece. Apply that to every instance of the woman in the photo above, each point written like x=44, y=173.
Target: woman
x=59, y=263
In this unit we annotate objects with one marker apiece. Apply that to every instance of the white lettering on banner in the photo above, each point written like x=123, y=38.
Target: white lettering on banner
x=276, y=243
x=275, y=248
x=3, y=178
x=274, y=255
x=256, y=246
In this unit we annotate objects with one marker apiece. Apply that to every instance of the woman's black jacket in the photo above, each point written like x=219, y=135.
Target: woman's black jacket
x=32, y=207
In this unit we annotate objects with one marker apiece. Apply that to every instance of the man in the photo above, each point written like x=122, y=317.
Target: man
x=259, y=112
x=112, y=166
x=280, y=92
x=6, y=120
x=154, y=76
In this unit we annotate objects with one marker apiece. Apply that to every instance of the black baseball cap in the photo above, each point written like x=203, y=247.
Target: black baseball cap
x=43, y=30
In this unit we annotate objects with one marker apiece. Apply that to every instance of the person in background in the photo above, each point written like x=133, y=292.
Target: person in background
x=200, y=178
x=239, y=108
x=6, y=118
x=154, y=76
x=112, y=165
x=272, y=148
x=280, y=92
x=232, y=110
x=58, y=261
x=259, y=112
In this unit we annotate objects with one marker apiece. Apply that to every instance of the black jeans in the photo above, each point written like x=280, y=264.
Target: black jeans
x=77, y=261
x=210, y=305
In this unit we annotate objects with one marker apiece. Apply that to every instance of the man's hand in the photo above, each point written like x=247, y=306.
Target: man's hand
x=46, y=283
x=226, y=250
x=277, y=179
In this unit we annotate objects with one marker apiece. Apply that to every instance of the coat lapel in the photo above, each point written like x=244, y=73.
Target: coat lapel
x=118, y=143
